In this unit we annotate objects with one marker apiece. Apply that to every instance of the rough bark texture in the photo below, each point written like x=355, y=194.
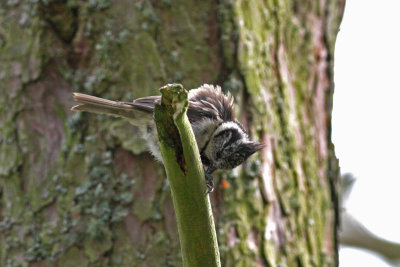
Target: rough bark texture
x=79, y=190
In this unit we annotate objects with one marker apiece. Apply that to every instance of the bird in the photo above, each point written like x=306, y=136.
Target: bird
x=222, y=140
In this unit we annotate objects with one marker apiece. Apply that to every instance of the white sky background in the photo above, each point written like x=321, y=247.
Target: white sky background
x=366, y=118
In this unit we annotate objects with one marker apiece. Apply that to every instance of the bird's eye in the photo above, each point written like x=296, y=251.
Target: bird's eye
x=225, y=145
x=229, y=142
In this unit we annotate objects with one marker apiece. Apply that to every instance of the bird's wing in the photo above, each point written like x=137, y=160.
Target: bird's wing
x=206, y=101
x=145, y=103
x=197, y=110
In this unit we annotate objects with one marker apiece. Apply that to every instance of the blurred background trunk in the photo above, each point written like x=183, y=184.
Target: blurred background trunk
x=80, y=190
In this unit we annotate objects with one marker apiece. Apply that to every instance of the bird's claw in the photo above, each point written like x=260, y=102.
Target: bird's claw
x=209, y=183
x=209, y=179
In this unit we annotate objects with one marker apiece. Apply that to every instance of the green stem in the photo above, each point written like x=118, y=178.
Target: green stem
x=186, y=177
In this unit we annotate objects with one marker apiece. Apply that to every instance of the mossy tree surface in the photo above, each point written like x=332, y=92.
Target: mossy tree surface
x=79, y=190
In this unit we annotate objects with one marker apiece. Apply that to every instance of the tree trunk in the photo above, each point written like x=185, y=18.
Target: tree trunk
x=80, y=190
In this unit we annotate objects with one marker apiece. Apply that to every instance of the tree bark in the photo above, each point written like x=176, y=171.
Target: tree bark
x=80, y=190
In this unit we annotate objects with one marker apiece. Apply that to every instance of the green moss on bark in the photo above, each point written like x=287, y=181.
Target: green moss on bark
x=275, y=55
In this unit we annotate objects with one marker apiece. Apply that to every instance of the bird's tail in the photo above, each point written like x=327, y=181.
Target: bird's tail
x=103, y=106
